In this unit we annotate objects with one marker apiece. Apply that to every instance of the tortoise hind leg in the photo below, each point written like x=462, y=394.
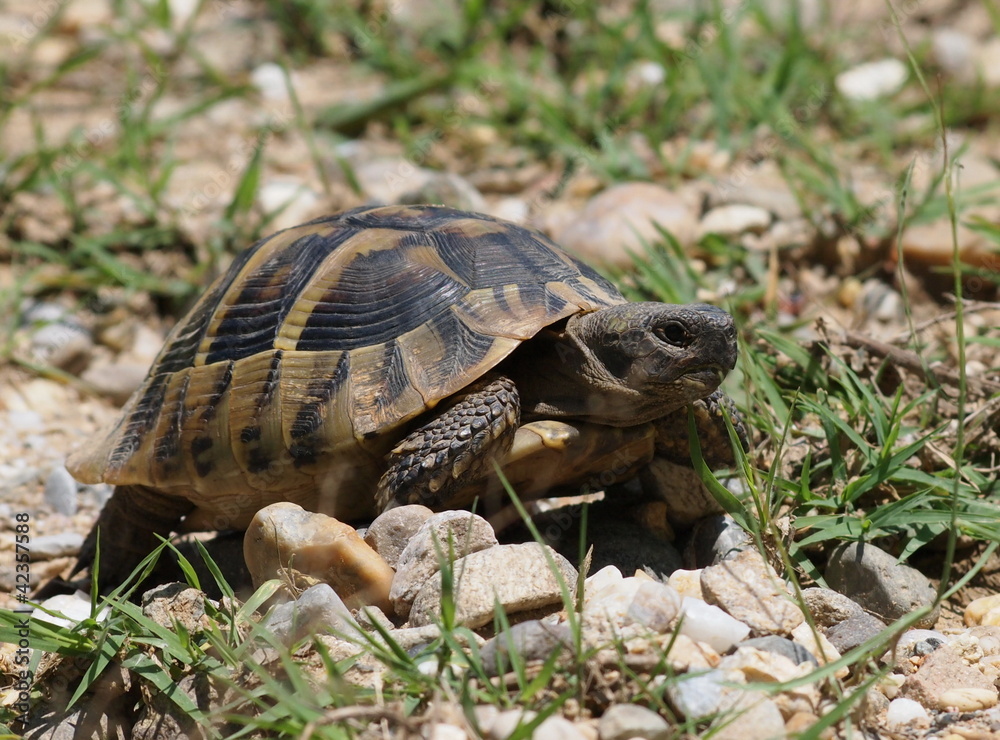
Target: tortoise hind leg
x=454, y=448
x=128, y=526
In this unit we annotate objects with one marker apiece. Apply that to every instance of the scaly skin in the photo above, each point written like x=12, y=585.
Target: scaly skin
x=456, y=446
x=716, y=449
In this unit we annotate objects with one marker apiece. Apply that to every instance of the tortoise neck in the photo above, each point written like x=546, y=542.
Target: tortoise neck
x=558, y=376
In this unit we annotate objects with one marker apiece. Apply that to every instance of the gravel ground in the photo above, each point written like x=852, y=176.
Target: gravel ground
x=77, y=347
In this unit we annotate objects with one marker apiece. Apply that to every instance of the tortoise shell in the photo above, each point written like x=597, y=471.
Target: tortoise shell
x=300, y=367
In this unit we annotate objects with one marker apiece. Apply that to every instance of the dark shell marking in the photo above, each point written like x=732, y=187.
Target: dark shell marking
x=323, y=339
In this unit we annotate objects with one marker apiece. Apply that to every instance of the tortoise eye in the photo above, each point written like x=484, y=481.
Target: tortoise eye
x=674, y=334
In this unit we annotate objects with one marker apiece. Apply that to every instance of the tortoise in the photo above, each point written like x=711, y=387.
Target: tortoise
x=388, y=355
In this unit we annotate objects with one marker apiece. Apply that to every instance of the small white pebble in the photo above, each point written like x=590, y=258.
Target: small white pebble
x=74, y=609
x=952, y=49
x=25, y=421
x=270, y=80
x=902, y=712
x=890, y=685
x=441, y=731
x=872, y=80
x=606, y=576
x=710, y=624
x=60, y=491
x=648, y=73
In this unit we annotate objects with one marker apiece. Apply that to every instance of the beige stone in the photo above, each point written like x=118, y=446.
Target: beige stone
x=286, y=536
x=967, y=700
x=448, y=534
x=820, y=647
x=977, y=609
x=619, y=220
x=749, y=589
x=944, y=677
x=518, y=577
x=687, y=583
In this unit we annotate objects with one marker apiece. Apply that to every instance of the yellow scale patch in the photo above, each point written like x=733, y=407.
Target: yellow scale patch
x=430, y=364
x=234, y=488
x=277, y=243
x=328, y=275
x=255, y=417
x=377, y=405
x=300, y=372
x=204, y=437
x=160, y=446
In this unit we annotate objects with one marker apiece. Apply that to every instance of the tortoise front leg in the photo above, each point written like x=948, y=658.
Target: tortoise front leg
x=716, y=448
x=456, y=447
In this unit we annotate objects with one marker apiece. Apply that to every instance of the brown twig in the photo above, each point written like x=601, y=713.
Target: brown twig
x=910, y=360
x=369, y=713
x=969, y=307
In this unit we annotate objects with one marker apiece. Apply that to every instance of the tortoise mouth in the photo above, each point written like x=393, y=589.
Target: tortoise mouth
x=708, y=377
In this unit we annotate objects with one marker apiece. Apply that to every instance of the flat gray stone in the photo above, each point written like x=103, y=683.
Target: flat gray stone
x=875, y=580
x=531, y=640
x=391, y=531
x=318, y=610
x=698, y=695
x=782, y=646
x=116, y=380
x=519, y=577
x=625, y=721
x=828, y=607
x=51, y=546
x=853, y=631
x=713, y=539
x=421, y=558
x=60, y=491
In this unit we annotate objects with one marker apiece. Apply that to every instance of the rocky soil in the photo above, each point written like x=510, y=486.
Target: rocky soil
x=711, y=609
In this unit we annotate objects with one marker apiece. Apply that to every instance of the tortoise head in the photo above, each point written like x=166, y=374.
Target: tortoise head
x=643, y=360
